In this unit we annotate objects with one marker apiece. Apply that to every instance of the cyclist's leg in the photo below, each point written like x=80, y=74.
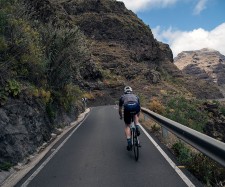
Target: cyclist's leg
x=128, y=136
x=127, y=120
x=136, y=118
x=136, y=121
x=127, y=131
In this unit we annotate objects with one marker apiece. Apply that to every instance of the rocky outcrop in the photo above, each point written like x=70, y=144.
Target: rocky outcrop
x=25, y=126
x=215, y=127
x=107, y=20
x=123, y=45
x=153, y=76
x=206, y=64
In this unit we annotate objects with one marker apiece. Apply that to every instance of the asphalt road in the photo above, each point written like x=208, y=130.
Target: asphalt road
x=95, y=155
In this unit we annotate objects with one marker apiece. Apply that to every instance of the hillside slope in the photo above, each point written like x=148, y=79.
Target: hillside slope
x=127, y=53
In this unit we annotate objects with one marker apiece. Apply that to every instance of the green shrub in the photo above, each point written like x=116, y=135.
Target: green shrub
x=65, y=50
x=222, y=110
x=5, y=166
x=13, y=87
x=21, y=52
x=30, y=61
x=5, y=9
x=205, y=169
x=51, y=110
x=3, y=44
x=3, y=97
x=69, y=96
x=155, y=127
x=186, y=112
x=40, y=92
x=41, y=55
x=182, y=152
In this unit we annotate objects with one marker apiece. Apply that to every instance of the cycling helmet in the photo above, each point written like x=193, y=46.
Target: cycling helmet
x=127, y=89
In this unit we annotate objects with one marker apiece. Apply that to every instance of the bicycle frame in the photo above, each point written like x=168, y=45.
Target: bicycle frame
x=134, y=140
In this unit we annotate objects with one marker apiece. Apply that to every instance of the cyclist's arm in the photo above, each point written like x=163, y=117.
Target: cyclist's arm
x=138, y=101
x=120, y=107
x=120, y=112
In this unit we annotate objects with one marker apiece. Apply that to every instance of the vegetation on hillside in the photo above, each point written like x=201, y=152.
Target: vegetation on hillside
x=39, y=59
x=204, y=168
x=186, y=112
x=194, y=114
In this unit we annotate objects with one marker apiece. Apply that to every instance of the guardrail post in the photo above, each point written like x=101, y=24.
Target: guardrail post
x=145, y=117
x=164, y=132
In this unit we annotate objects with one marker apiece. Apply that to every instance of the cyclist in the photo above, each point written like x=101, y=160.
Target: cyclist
x=130, y=102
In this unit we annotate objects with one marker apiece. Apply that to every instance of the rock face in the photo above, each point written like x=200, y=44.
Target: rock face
x=206, y=64
x=111, y=26
x=122, y=47
x=215, y=127
x=25, y=126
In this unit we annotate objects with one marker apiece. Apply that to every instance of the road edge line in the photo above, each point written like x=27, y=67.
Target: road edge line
x=172, y=164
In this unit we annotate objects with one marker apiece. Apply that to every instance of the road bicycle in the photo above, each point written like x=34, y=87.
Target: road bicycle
x=134, y=138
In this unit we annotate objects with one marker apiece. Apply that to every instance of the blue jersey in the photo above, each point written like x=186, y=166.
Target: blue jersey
x=127, y=98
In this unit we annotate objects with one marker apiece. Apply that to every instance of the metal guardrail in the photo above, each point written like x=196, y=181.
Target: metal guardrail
x=205, y=144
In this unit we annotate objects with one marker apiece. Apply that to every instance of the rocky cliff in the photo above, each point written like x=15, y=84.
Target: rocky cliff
x=206, y=64
x=25, y=125
x=125, y=48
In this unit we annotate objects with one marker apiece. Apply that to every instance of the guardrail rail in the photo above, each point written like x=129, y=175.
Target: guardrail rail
x=205, y=144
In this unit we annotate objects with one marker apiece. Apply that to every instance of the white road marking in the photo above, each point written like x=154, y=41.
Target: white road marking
x=116, y=107
x=172, y=164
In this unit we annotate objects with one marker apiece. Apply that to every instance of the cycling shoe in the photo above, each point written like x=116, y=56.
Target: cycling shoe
x=138, y=132
x=129, y=147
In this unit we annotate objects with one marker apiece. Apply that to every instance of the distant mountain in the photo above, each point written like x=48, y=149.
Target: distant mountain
x=206, y=64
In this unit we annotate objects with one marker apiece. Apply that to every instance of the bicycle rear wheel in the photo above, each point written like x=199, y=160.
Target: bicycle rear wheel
x=135, y=145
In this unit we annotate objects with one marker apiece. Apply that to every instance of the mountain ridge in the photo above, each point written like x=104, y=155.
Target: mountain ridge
x=109, y=32
x=206, y=64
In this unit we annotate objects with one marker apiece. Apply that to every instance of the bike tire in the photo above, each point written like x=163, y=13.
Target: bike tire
x=135, y=145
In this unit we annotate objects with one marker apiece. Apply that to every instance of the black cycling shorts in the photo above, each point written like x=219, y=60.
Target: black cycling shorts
x=129, y=110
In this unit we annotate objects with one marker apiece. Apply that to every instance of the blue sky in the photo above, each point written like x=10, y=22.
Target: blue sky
x=184, y=24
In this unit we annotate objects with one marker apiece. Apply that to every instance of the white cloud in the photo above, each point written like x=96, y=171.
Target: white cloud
x=138, y=5
x=141, y=5
x=192, y=40
x=201, y=5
